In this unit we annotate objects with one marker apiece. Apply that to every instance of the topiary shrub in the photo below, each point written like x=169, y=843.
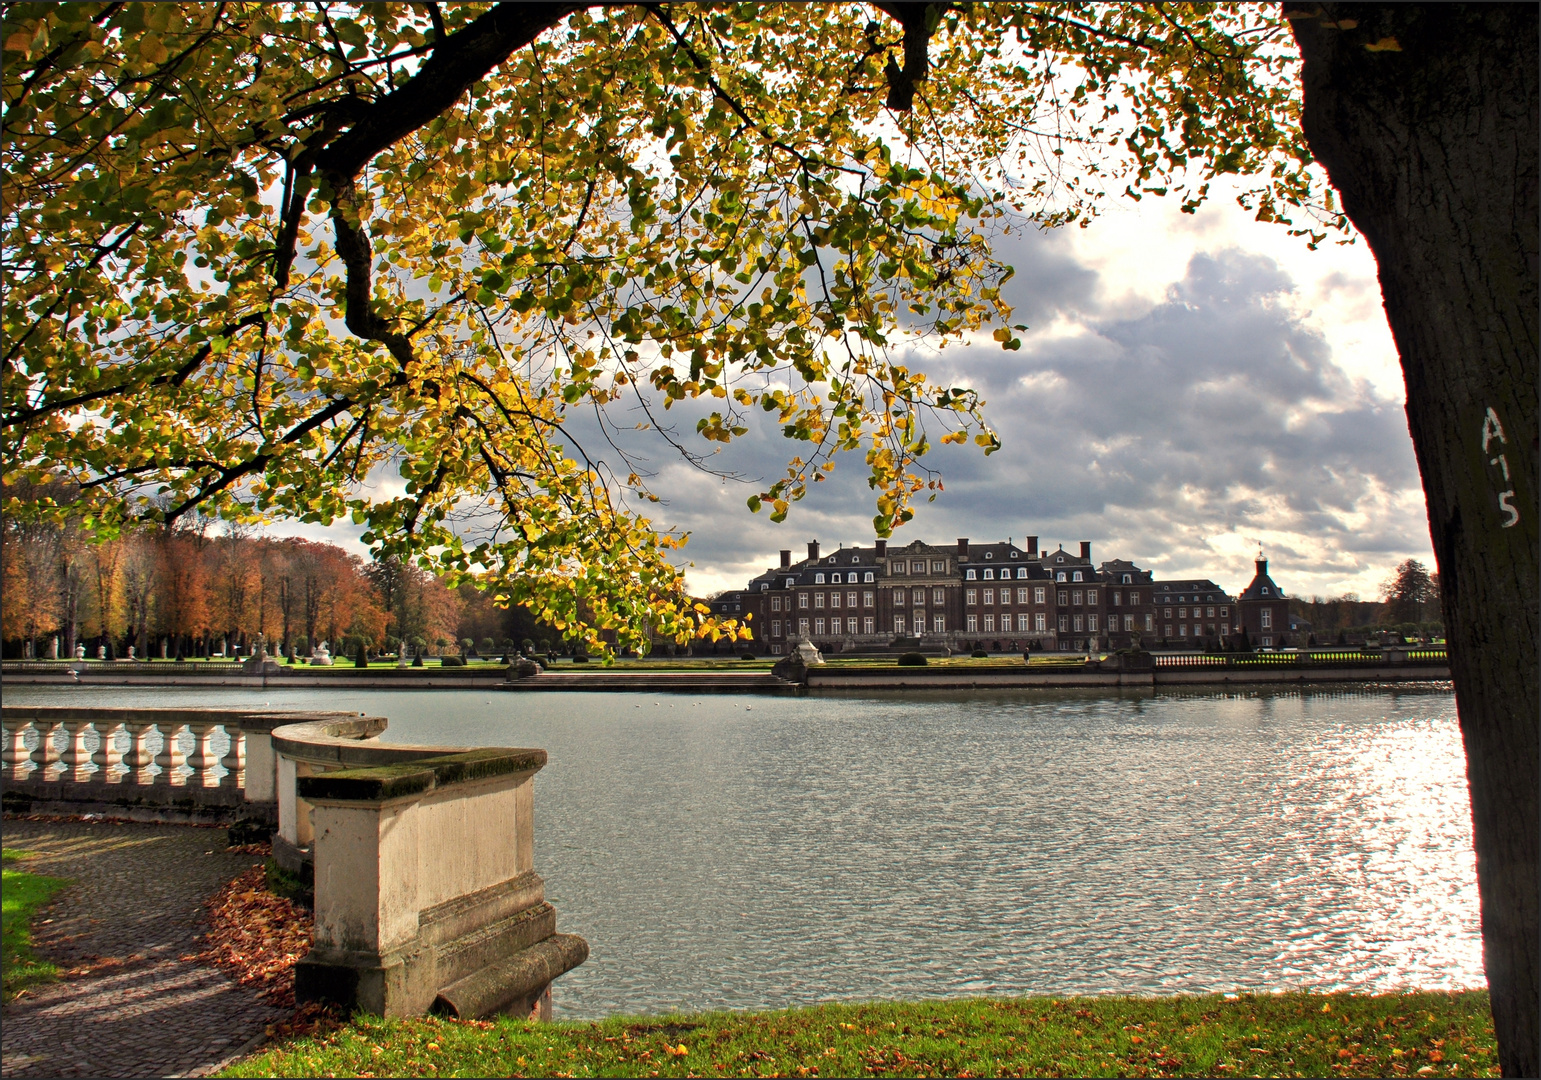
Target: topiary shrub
x=747, y=656
x=580, y=658
x=453, y=661
x=912, y=659
x=979, y=654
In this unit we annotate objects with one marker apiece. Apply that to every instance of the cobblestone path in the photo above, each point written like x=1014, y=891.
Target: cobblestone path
x=135, y=907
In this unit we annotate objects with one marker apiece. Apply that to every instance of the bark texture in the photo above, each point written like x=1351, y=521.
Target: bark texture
x=1427, y=119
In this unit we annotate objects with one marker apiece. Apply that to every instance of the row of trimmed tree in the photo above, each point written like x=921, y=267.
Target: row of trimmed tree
x=185, y=592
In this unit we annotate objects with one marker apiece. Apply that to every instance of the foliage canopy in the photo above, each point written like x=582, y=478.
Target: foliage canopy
x=416, y=263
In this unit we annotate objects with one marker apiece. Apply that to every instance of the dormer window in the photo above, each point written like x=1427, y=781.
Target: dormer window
x=989, y=575
x=1265, y=590
x=1128, y=578
x=1013, y=554
x=835, y=578
x=830, y=559
x=1076, y=576
x=855, y=560
x=867, y=576
x=1059, y=576
x=818, y=579
x=791, y=582
x=1021, y=571
x=1059, y=559
x=970, y=575
x=989, y=554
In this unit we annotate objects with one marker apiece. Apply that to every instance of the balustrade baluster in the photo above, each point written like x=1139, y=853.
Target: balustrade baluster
x=77, y=758
x=45, y=755
x=107, y=757
x=202, y=759
x=16, y=757
x=139, y=759
x=234, y=760
x=171, y=758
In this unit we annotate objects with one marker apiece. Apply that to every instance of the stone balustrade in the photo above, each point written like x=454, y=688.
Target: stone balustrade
x=146, y=764
x=421, y=857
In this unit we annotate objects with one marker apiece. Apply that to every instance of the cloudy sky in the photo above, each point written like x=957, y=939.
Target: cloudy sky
x=1192, y=387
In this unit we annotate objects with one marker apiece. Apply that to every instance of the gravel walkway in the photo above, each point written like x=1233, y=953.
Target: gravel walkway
x=135, y=908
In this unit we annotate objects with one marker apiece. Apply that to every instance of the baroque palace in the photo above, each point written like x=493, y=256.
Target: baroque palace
x=995, y=596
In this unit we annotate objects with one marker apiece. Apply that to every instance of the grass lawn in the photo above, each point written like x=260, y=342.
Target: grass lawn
x=22, y=893
x=1415, y=1034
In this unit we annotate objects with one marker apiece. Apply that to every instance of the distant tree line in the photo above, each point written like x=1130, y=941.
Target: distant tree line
x=1409, y=602
x=190, y=591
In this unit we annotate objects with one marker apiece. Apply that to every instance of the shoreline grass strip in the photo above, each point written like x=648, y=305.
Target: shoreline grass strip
x=1296, y=1034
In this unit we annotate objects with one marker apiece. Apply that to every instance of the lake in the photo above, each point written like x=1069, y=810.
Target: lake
x=747, y=852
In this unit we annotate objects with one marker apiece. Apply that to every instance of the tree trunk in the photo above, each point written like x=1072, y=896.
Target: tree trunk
x=1427, y=121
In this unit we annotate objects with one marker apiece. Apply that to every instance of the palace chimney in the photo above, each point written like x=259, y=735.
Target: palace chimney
x=963, y=546
x=813, y=551
x=1032, y=545
x=786, y=558
x=882, y=549
x=1086, y=550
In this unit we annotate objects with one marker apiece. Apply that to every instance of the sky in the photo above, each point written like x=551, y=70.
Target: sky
x=1191, y=389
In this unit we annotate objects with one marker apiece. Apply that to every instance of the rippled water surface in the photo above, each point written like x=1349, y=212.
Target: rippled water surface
x=734, y=852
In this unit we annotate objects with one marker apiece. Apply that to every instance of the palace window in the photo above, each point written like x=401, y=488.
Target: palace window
x=1022, y=623
x=1134, y=598
x=1267, y=619
x=1022, y=595
x=1079, y=625
x=971, y=597
x=938, y=596
x=1038, y=594
x=1059, y=575
x=775, y=603
x=1182, y=629
x=818, y=627
x=1209, y=613
x=802, y=627
x=939, y=566
x=1075, y=598
x=834, y=626
x=989, y=624
x=920, y=621
x=775, y=628
x=917, y=568
x=1091, y=596
x=1150, y=623
x=1064, y=624
x=802, y=600
x=900, y=598
x=1267, y=641
x=898, y=624
x=868, y=598
x=989, y=596
x=1168, y=615
x=818, y=599
x=850, y=599
x=1063, y=595
x=1091, y=623
x=1128, y=578
x=939, y=624
x=972, y=622
x=1168, y=630
x=1076, y=576
x=834, y=598
x=1040, y=622
x=834, y=579
x=969, y=575
x=1224, y=613
x=818, y=579
x=869, y=625
x=1021, y=570
x=1182, y=613
x=1118, y=597
x=1129, y=623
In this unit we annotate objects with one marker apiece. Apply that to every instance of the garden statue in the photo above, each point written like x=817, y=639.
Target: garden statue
x=320, y=656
